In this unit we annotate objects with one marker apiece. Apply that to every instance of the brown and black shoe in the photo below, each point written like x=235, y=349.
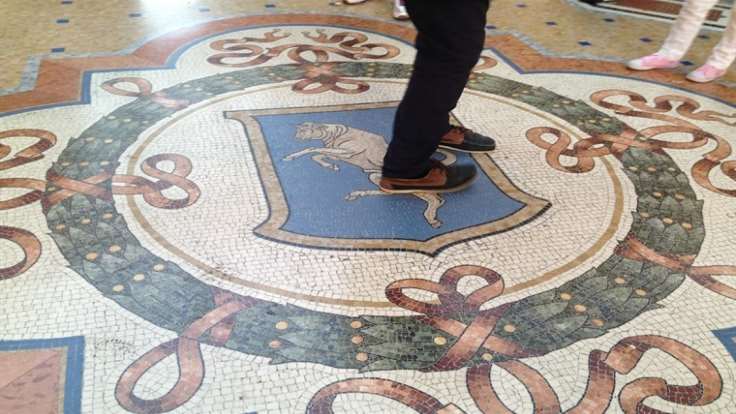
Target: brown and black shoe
x=439, y=179
x=466, y=140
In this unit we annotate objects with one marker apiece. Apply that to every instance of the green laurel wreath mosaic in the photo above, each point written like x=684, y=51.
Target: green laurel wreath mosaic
x=171, y=298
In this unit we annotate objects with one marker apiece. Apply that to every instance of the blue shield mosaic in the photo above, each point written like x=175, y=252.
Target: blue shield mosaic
x=320, y=171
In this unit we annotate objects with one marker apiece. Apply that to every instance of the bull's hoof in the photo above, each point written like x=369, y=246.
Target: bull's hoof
x=436, y=224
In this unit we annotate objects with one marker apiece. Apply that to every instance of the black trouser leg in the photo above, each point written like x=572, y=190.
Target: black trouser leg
x=450, y=40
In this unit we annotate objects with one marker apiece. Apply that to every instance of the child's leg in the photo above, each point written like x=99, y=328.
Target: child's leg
x=725, y=52
x=400, y=12
x=686, y=27
x=721, y=57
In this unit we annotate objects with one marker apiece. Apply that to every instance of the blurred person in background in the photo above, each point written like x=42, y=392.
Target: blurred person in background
x=683, y=32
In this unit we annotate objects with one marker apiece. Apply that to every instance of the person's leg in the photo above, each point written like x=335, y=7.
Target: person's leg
x=449, y=43
x=400, y=12
x=686, y=27
x=680, y=37
x=721, y=58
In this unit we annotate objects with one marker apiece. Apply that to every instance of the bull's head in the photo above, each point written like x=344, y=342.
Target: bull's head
x=310, y=130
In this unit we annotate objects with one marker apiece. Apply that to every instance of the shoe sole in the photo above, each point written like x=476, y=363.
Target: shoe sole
x=447, y=147
x=701, y=80
x=644, y=69
x=432, y=191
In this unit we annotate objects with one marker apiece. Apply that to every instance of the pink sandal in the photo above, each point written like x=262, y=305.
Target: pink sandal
x=706, y=73
x=654, y=61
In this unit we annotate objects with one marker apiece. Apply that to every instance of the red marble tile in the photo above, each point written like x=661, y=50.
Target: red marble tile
x=32, y=381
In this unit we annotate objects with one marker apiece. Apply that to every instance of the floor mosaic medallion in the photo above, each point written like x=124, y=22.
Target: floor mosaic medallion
x=210, y=222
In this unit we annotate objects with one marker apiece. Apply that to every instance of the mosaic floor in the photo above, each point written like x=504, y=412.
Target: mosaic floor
x=666, y=10
x=177, y=234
